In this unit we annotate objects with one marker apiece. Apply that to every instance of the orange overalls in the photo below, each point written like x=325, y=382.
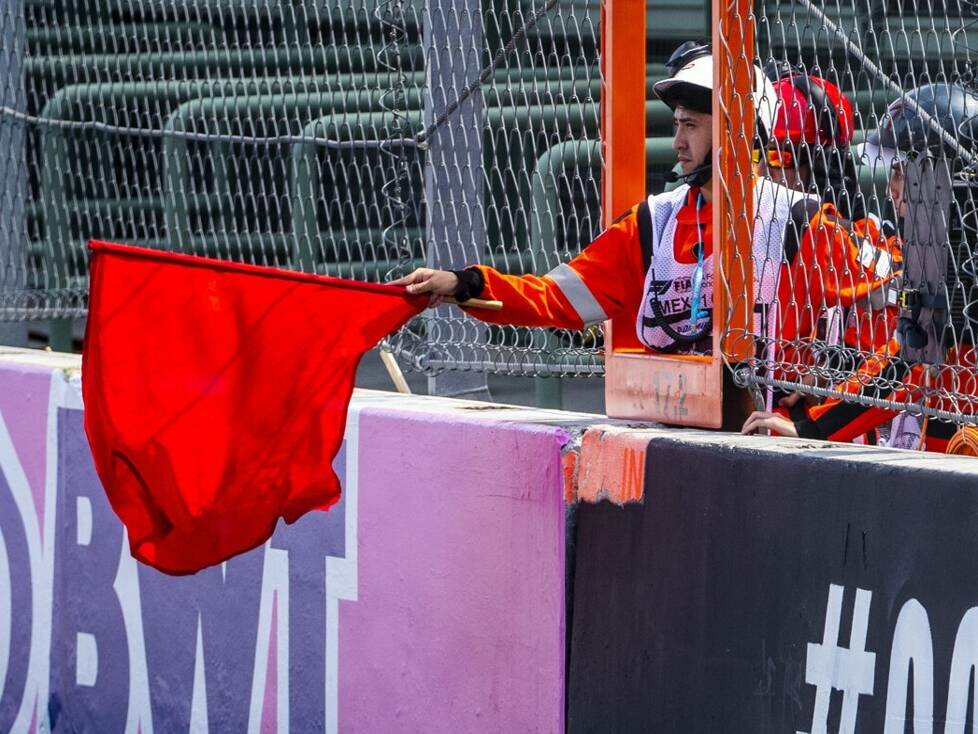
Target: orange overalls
x=838, y=420
x=850, y=265
x=605, y=281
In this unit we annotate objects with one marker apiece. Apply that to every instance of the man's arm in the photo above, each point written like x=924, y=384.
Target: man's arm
x=837, y=419
x=598, y=284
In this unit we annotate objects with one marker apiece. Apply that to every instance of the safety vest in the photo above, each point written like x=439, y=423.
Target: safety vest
x=666, y=304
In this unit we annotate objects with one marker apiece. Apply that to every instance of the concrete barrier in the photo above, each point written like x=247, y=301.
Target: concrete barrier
x=430, y=599
x=775, y=585
x=497, y=569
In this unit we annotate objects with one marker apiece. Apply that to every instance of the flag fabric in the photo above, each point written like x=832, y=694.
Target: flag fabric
x=216, y=395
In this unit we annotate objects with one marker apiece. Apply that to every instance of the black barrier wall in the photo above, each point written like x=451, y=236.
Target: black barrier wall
x=779, y=590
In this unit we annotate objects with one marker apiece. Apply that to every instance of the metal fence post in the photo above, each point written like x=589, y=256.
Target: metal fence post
x=13, y=167
x=454, y=177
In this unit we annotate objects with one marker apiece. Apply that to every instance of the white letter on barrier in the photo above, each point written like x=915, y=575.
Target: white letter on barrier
x=6, y=613
x=964, y=658
x=848, y=669
x=911, y=641
x=86, y=659
x=38, y=656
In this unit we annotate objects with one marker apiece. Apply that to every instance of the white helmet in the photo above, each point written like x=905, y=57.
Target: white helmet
x=765, y=104
x=690, y=81
x=691, y=85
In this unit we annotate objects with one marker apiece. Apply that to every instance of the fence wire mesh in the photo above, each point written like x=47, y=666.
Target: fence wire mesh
x=291, y=133
x=874, y=109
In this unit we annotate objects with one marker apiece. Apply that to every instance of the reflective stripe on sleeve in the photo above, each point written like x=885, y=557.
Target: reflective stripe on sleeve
x=572, y=286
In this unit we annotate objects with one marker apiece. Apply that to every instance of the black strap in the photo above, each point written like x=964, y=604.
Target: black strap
x=470, y=284
x=941, y=429
x=912, y=334
x=935, y=302
x=802, y=213
x=646, y=233
x=672, y=318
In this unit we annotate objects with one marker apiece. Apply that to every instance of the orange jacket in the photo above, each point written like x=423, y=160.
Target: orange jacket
x=605, y=281
x=839, y=420
x=839, y=264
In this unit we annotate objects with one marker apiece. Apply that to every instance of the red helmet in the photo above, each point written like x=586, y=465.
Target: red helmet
x=812, y=110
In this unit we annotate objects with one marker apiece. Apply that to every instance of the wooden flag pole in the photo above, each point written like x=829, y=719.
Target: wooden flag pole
x=394, y=370
x=477, y=303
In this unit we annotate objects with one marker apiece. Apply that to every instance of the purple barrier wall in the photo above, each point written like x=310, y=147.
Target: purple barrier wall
x=430, y=599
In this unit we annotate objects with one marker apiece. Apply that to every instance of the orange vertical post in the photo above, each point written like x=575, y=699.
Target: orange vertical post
x=733, y=181
x=622, y=105
x=639, y=384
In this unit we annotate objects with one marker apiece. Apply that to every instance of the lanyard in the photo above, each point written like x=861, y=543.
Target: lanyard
x=698, y=271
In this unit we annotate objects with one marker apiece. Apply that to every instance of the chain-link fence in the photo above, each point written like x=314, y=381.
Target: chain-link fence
x=293, y=133
x=872, y=111
x=362, y=138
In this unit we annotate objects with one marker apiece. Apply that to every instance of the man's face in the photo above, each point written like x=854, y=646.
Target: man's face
x=693, y=138
x=896, y=189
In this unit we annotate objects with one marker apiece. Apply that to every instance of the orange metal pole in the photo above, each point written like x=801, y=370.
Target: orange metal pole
x=638, y=383
x=622, y=105
x=733, y=182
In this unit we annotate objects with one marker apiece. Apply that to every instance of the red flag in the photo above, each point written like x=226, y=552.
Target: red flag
x=216, y=395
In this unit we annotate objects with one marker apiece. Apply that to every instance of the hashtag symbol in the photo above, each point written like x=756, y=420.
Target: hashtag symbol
x=830, y=666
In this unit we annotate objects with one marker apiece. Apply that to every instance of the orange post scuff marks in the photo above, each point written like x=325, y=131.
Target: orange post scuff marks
x=611, y=465
x=569, y=463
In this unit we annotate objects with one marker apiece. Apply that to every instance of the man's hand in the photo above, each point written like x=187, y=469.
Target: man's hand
x=439, y=283
x=762, y=420
x=788, y=401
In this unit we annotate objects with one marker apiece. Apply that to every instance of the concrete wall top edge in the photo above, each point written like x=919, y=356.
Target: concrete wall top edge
x=41, y=359
x=578, y=423
x=817, y=451
x=456, y=409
